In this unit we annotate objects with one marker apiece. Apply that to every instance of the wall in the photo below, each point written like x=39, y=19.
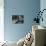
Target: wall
x=43, y=6
x=13, y=32
x=1, y=20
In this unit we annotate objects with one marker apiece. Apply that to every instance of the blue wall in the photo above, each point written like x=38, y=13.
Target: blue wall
x=13, y=32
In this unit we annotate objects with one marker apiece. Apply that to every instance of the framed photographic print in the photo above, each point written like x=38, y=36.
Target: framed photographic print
x=17, y=19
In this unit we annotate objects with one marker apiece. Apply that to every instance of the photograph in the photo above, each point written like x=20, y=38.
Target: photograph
x=17, y=19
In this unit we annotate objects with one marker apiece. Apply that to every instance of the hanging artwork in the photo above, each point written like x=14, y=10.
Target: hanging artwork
x=17, y=19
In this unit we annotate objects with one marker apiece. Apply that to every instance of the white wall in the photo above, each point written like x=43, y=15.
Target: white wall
x=1, y=20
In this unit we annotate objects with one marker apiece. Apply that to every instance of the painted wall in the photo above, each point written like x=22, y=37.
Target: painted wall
x=43, y=6
x=1, y=20
x=13, y=32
